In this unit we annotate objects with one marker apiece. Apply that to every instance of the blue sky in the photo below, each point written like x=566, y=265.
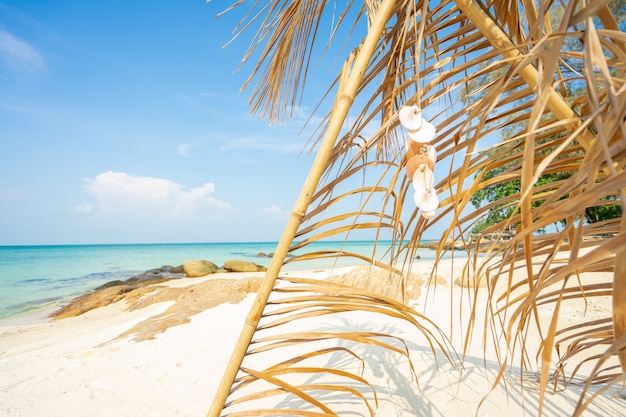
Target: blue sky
x=123, y=122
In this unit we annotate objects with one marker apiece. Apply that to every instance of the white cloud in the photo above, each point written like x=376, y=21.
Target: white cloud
x=18, y=53
x=184, y=148
x=274, y=209
x=120, y=192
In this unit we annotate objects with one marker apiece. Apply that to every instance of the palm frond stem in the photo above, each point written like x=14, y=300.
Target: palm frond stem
x=352, y=73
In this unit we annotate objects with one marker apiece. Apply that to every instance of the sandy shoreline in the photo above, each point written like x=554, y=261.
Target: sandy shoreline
x=81, y=367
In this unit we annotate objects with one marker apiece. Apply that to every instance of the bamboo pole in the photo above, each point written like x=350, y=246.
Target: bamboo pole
x=351, y=77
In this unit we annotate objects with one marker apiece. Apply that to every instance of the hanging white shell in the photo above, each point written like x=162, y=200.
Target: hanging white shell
x=426, y=199
x=424, y=134
x=411, y=117
x=423, y=178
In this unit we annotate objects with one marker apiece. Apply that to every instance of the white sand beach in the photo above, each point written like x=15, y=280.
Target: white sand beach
x=115, y=361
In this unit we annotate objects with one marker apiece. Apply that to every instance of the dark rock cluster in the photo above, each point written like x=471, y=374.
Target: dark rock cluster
x=143, y=284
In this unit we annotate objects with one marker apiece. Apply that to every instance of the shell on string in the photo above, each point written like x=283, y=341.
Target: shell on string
x=415, y=162
x=418, y=154
x=421, y=157
x=423, y=178
x=424, y=134
x=411, y=117
x=414, y=148
x=426, y=199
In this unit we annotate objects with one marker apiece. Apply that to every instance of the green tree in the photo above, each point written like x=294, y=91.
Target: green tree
x=503, y=211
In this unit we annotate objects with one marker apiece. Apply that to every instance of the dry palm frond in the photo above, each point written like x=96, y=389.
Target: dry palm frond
x=297, y=301
x=549, y=79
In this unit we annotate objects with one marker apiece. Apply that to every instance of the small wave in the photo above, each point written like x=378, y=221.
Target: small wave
x=31, y=280
x=100, y=276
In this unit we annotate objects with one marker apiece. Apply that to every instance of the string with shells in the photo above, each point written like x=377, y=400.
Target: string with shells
x=421, y=158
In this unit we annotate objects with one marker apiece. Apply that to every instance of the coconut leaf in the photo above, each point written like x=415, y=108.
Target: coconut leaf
x=522, y=88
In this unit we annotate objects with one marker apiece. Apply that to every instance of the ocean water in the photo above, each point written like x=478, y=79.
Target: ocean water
x=35, y=276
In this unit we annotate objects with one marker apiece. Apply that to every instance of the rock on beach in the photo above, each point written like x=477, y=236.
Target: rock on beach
x=234, y=265
x=194, y=269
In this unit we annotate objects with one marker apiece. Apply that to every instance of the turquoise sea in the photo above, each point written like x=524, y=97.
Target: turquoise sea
x=36, y=276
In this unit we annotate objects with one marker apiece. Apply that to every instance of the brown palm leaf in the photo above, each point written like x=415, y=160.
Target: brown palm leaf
x=548, y=77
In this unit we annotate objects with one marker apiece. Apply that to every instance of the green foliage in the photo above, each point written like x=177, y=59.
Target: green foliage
x=604, y=212
x=503, y=211
x=493, y=193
